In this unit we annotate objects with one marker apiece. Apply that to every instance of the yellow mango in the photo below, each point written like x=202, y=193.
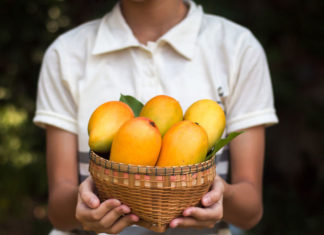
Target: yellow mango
x=185, y=143
x=210, y=115
x=164, y=110
x=105, y=122
x=137, y=142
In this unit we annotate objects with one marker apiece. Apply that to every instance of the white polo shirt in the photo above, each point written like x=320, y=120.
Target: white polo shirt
x=203, y=57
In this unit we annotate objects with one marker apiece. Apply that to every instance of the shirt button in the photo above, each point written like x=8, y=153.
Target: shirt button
x=149, y=55
x=151, y=72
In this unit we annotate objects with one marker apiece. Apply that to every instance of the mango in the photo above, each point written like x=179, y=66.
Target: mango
x=210, y=115
x=105, y=122
x=185, y=143
x=164, y=110
x=137, y=142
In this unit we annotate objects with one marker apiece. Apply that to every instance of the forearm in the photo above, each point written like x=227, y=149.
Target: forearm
x=242, y=205
x=61, y=208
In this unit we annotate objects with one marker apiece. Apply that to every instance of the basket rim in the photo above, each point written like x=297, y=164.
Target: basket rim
x=151, y=170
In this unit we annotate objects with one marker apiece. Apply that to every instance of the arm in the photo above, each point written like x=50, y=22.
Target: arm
x=243, y=197
x=71, y=206
x=61, y=157
x=238, y=203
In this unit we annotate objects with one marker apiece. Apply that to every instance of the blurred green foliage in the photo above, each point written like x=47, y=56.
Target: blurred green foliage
x=292, y=34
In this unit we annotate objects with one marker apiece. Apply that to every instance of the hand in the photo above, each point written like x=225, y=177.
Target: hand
x=108, y=217
x=208, y=216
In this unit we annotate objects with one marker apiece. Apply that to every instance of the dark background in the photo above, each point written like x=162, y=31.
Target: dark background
x=292, y=33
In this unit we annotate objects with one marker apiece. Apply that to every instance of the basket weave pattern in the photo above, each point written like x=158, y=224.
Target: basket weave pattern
x=155, y=194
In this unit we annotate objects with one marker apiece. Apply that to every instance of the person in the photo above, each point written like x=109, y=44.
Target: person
x=144, y=48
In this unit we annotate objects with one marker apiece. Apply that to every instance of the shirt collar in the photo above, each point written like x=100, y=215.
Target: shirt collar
x=183, y=36
x=114, y=33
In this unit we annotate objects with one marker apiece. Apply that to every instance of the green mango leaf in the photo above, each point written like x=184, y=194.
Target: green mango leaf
x=221, y=143
x=132, y=102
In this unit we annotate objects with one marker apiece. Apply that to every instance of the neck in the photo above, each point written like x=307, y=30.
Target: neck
x=150, y=19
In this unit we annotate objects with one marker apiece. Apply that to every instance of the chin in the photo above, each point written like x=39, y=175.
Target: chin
x=135, y=0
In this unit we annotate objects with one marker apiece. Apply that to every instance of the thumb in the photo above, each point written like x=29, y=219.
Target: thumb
x=87, y=195
x=215, y=194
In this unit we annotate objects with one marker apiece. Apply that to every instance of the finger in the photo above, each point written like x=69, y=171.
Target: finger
x=215, y=194
x=110, y=218
x=214, y=212
x=122, y=223
x=87, y=195
x=87, y=214
x=81, y=210
x=189, y=222
x=116, y=227
x=94, y=223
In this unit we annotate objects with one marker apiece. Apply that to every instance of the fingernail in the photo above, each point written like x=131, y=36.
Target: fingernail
x=187, y=212
x=93, y=202
x=116, y=202
x=206, y=200
x=126, y=210
x=175, y=224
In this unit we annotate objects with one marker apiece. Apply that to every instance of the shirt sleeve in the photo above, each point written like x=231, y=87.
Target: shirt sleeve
x=55, y=104
x=250, y=101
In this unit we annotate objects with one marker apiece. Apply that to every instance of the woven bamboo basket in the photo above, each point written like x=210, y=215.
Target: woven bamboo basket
x=155, y=194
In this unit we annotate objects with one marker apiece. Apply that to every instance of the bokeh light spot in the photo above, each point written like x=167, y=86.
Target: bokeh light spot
x=54, y=13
